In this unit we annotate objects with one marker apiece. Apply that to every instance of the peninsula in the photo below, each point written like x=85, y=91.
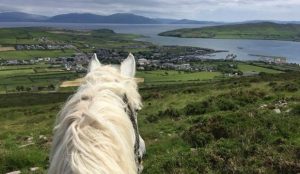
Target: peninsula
x=259, y=31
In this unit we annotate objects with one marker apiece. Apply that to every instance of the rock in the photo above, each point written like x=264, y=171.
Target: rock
x=277, y=111
x=250, y=114
x=14, y=172
x=263, y=106
x=33, y=169
x=193, y=149
x=25, y=145
x=288, y=111
x=42, y=137
x=29, y=139
x=281, y=104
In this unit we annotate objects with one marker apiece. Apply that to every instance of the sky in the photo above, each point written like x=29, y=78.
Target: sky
x=207, y=10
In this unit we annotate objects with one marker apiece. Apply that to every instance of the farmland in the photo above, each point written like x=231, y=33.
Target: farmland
x=165, y=77
x=253, y=68
x=26, y=78
x=29, y=54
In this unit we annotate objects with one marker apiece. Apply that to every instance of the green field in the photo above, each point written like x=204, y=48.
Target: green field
x=16, y=72
x=214, y=127
x=38, y=78
x=165, y=77
x=252, y=68
x=30, y=54
x=263, y=31
x=43, y=75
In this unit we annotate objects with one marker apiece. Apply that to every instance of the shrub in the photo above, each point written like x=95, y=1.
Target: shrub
x=152, y=118
x=290, y=87
x=272, y=84
x=296, y=109
x=196, y=138
x=170, y=112
x=226, y=104
x=196, y=108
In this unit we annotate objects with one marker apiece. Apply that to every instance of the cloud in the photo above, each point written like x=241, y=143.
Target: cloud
x=218, y=10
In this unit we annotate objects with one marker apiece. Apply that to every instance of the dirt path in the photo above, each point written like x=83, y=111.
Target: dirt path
x=7, y=49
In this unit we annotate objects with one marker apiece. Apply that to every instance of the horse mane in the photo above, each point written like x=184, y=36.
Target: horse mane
x=93, y=133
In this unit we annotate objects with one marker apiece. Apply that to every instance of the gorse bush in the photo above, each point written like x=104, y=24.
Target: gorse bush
x=196, y=108
x=196, y=137
x=152, y=118
x=290, y=87
x=296, y=109
x=205, y=131
x=225, y=102
x=170, y=112
x=239, y=143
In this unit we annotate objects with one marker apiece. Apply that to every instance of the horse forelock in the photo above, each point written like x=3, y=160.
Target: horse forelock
x=93, y=133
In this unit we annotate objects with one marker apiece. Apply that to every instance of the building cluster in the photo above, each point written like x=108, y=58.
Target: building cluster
x=145, y=64
x=43, y=47
x=274, y=60
x=271, y=59
x=77, y=63
x=166, y=57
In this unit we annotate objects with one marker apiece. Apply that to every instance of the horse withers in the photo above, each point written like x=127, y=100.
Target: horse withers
x=96, y=132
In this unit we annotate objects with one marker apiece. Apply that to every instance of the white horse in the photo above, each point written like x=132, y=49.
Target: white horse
x=96, y=132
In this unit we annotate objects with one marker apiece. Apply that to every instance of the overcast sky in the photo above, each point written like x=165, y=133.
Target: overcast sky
x=216, y=10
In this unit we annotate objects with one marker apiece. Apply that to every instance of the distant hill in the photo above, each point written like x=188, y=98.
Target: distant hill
x=187, y=21
x=261, y=30
x=183, y=21
x=120, y=18
x=165, y=20
x=20, y=17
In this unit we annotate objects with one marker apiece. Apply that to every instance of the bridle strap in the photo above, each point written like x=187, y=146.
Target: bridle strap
x=132, y=115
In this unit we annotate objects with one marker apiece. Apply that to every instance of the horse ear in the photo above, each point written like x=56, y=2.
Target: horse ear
x=94, y=63
x=128, y=66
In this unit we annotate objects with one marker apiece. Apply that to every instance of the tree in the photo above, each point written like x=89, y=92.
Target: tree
x=51, y=87
x=20, y=88
x=28, y=89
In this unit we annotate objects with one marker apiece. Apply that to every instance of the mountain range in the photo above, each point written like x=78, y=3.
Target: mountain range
x=118, y=18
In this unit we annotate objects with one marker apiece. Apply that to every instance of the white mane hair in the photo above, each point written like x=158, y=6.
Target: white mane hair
x=93, y=133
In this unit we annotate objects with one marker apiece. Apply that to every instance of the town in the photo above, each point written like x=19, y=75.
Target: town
x=160, y=57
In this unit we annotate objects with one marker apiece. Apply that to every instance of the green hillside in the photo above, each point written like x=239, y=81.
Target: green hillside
x=264, y=31
x=226, y=126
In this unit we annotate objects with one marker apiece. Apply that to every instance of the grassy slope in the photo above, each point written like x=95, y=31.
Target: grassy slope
x=265, y=31
x=205, y=128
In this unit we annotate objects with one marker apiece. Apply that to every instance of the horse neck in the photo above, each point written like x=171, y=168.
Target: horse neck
x=94, y=133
